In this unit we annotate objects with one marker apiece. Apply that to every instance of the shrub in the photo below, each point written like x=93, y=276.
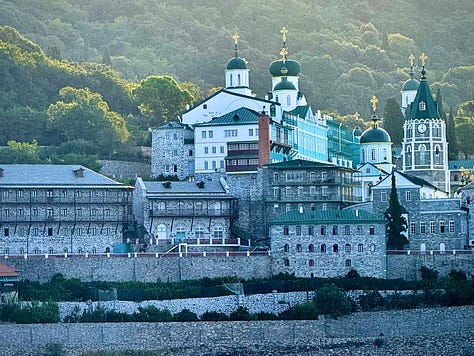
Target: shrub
x=303, y=311
x=353, y=274
x=372, y=300
x=153, y=314
x=333, y=301
x=214, y=316
x=241, y=313
x=266, y=316
x=379, y=342
x=185, y=315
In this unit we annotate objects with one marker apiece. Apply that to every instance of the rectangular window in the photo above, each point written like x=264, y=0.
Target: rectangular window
x=347, y=230
x=250, y=132
x=230, y=133
x=422, y=227
x=221, y=149
x=408, y=195
x=298, y=230
x=206, y=150
x=203, y=134
x=324, y=191
x=288, y=192
x=206, y=165
x=214, y=149
x=442, y=227
x=323, y=230
x=275, y=208
x=214, y=165
x=286, y=230
x=451, y=225
x=383, y=196
x=311, y=230
x=6, y=232
x=50, y=231
x=412, y=228
x=276, y=192
x=432, y=227
x=211, y=134
x=312, y=191
x=334, y=230
x=20, y=193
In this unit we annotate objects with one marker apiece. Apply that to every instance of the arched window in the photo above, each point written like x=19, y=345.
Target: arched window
x=161, y=231
x=323, y=248
x=384, y=155
x=231, y=80
x=238, y=80
x=299, y=248
x=198, y=205
x=372, y=247
x=286, y=248
x=422, y=151
x=335, y=248
x=372, y=230
x=288, y=100
x=442, y=248
x=311, y=263
x=347, y=247
x=311, y=248
x=286, y=262
x=422, y=106
x=372, y=154
x=423, y=248
x=362, y=158
x=360, y=248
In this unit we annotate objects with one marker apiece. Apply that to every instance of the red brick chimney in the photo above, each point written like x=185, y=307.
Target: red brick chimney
x=263, y=139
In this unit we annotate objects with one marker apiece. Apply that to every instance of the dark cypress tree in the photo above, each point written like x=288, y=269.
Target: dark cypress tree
x=393, y=121
x=106, y=58
x=453, y=149
x=396, y=222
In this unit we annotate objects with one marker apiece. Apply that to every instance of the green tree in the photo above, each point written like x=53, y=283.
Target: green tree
x=20, y=152
x=160, y=99
x=82, y=114
x=393, y=121
x=453, y=149
x=396, y=222
x=332, y=300
x=464, y=123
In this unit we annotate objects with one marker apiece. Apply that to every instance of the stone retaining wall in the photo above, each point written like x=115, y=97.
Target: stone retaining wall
x=354, y=331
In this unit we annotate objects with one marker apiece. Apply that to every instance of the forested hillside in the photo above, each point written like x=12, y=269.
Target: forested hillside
x=349, y=51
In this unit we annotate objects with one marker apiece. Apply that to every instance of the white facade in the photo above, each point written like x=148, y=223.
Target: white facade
x=226, y=101
x=211, y=144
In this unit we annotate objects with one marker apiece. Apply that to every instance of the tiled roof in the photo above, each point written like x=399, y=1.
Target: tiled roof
x=7, y=271
x=50, y=174
x=184, y=187
x=327, y=217
x=240, y=116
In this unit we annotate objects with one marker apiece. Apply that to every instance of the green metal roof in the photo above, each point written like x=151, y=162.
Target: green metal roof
x=300, y=163
x=301, y=111
x=236, y=63
x=423, y=94
x=327, y=217
x=411, y=84
x=375, y=134
x=293, y=68
x=284, y=85
x=456, y=165
x=240, y=116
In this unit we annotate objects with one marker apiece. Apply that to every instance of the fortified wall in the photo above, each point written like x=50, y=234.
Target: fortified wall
x=142, y=267
x=172, y=267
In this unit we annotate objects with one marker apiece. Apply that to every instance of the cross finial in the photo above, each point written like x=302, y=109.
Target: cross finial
x=412, y=59
x=236, y=38
x=374, y=102
x=423, y=58
x=357, y=115
x=283, y=52
x=284, y=32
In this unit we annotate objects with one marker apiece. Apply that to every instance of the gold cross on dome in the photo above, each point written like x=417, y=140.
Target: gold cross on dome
x=284, y=32
x=236, y=38
x=374, y=102
x=412, y=59
x=283, y=52
x=357, y=115
x=423, y=58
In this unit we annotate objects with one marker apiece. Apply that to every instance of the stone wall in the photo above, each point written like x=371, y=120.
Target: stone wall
x=125, y=169
x=270, y=303
x=354, y=332
x=408, y=266
x=144, y=268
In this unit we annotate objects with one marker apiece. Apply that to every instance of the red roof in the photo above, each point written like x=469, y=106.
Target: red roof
x=7, y=271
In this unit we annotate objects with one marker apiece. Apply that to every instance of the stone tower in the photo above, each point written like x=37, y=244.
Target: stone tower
x=425, y=149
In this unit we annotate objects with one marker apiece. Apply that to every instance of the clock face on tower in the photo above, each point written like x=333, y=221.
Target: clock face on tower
x=421, y=128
